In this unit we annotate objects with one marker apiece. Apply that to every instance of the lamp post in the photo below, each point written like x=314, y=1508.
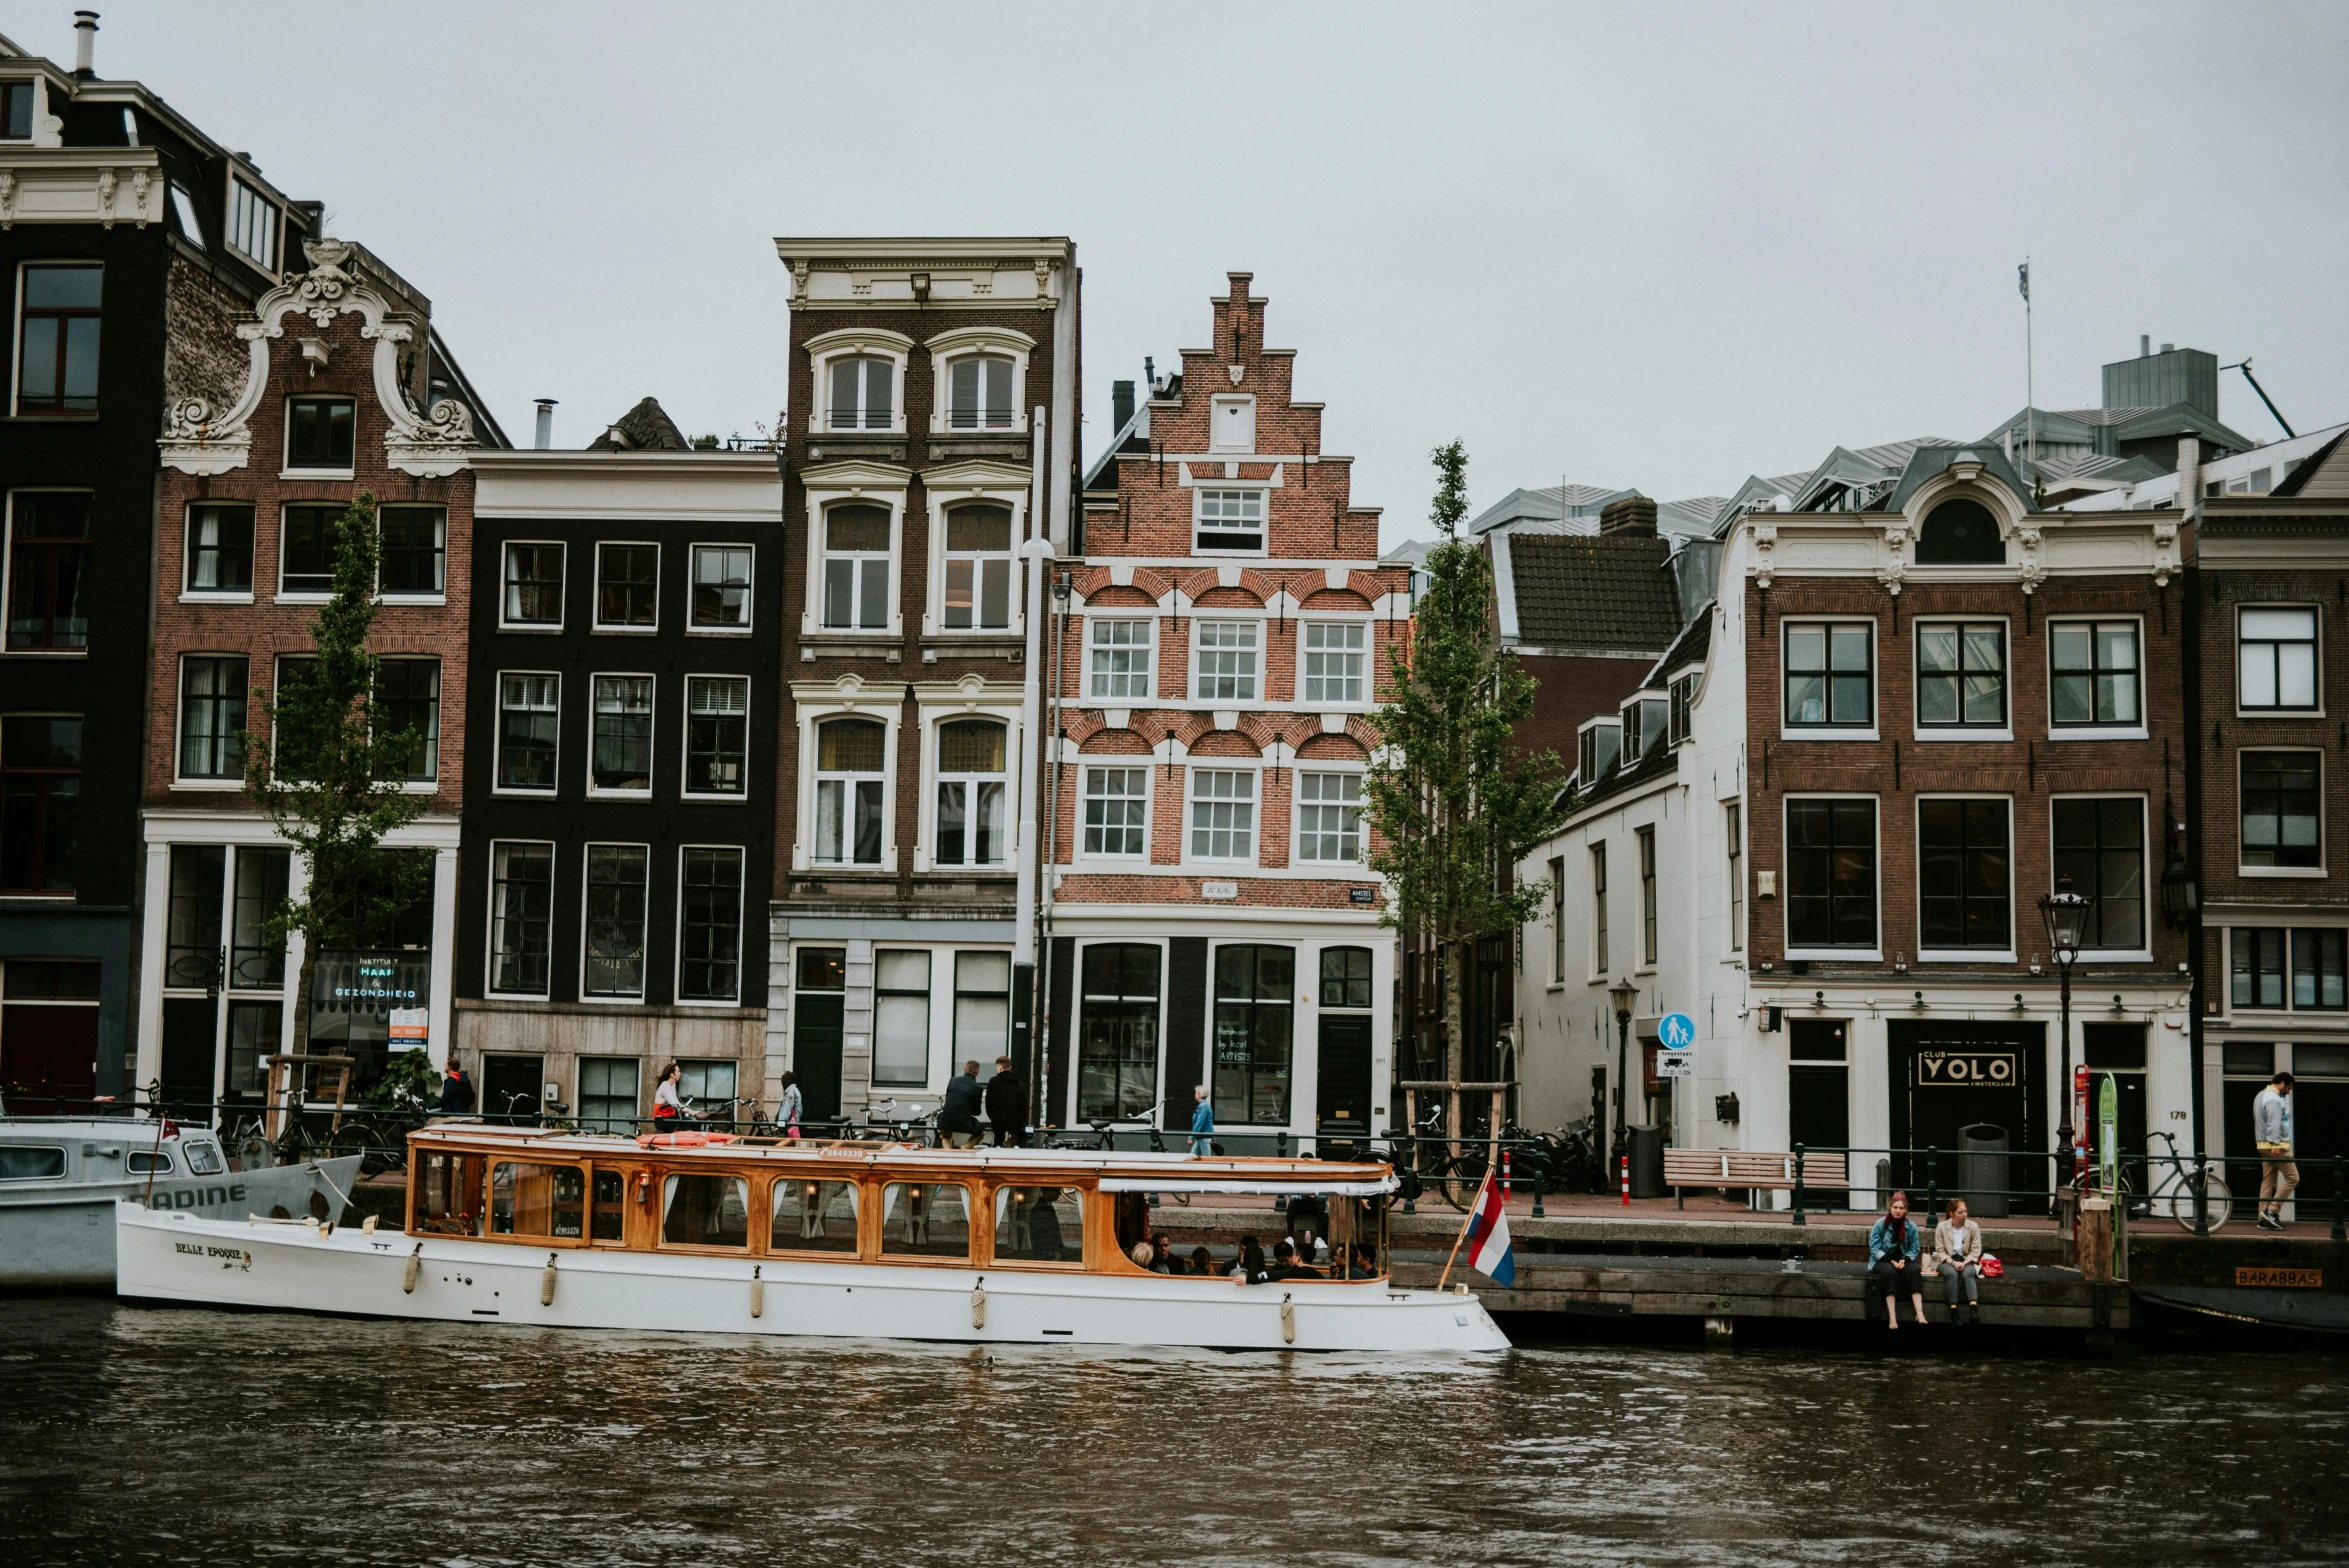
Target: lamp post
x=2181, y=902
x=1625, y=996
x=2066, y=913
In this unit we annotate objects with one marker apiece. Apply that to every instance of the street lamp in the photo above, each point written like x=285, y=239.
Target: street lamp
x=1625, y=996
x=2066, y=913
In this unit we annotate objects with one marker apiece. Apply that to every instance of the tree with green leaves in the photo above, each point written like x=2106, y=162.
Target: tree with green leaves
x=331, y=774
x=1455, y=801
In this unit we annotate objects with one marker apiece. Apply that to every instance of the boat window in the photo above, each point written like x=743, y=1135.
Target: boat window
x=27, y=1162
x=705, y=1211
x=450, y=1203
x=1357, y=1238
x=1045, y=1224
x=813, y=1216
x=607, y=1220
x=536, y=1200
x=146, y=1163
x=926, y=1220
x=203, y=1159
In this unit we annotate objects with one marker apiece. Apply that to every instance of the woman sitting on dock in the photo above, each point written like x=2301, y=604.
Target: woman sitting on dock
x=1957, y=1258
x=1892, y=1258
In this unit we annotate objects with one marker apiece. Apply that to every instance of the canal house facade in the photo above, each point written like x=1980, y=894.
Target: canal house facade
x=931, y=444
x=1226, y=635
x=619, y=815
x=342, y=390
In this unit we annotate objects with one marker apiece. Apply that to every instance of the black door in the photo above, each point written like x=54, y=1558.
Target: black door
x=511, y=1085
x=1343, y=1100
x=190, y=1024
x=1818, y=1116
x=2320, y=1135
x=2118, y=1049
x=815, y=1055
x=2248, y=1065
x=1948, y=1077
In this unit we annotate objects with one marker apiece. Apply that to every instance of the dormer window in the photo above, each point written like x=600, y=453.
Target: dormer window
x=252, y=223
x=1960, y=532
x=978, y=393
x=863, y=393
x=1683, y=705
x=1643, y=727
x=1596, y=749
x=16, y=111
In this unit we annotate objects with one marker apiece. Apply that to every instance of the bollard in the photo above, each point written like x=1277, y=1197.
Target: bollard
x=1932, y=1184
x=1798, y=1186
x=1541, y=1172
x=1280, y=1143
x=1627, y=1181
x=2339, y=1232
x=2202, y=1196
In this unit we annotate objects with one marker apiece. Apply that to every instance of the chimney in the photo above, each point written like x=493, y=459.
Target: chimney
x=2190, y=476
x=1150, y=374
x=2144, y=345
x=546, y=424
x=85, y=42
x=1121, y=404
x=1631, y=514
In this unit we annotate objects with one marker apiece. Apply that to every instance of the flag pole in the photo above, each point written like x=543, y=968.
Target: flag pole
x=2030, y=393
x=1467, y=1221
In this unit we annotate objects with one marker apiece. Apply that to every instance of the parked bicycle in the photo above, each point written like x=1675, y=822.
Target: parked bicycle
x=2173, y=1193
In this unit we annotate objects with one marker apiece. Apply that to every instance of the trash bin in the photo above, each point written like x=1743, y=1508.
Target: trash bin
x=1982, y=1168
x=1647, y=1161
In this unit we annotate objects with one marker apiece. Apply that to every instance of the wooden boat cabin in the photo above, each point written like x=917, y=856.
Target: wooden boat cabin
x=1075, y=1211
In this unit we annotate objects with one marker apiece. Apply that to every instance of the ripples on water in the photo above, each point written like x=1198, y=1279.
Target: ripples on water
x=183, y=1436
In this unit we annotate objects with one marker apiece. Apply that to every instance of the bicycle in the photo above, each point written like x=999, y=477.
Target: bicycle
x=2174, y=1194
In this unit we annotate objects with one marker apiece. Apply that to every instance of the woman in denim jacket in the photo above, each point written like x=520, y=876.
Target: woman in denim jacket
x=1892, y=1257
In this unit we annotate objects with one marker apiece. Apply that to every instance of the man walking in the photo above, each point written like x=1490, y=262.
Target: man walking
x=958, y=1118
x=1007, y=1106
x=2271, y=1129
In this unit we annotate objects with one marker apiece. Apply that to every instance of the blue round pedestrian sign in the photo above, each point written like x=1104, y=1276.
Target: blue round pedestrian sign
x=1676, y=1031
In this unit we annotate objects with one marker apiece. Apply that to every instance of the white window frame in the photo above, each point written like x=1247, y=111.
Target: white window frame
x=685, y=737
x=187, y=555
x=1368, y=654
x=1149, y=647
x=815, y=704
x=595, y=605
x=652, y=763
x=1874, y=951
x=1077, y=1001
x=1360, y=805
x=750, y=597
x=935, y=703
x=1231, y=403
x=179, y=718
x=497, y=769
x=280, y=593
x=2322, y=868
x=237, y=174
x=489, y=986
x=948, y=349
x=587, y=847
x=1557, y=922
x=2148, y=869
x=811, y=616
x=285, y=439
x=562, y=591
x=934, y=776
x=436, y=596
x=1197, y=650
x=857, y=343
x=1938, y=733
x=430, y=786
x=2317, y=711
x=1788, y=730
x=966, y=485
x=1124, y=762
x=1248, y=767
x=1200, y=523
x=741, y=929
x=2014, y=912
x=2055, y=731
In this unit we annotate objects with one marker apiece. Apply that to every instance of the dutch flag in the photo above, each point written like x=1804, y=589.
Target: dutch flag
x=1488, y=1231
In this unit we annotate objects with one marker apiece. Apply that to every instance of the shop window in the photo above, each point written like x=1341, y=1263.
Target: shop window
x=1117, y=1036
x=901, y=1017
x=1255, y=1027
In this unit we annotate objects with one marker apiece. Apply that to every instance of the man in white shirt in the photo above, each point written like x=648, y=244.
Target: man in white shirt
x=2271, y=1129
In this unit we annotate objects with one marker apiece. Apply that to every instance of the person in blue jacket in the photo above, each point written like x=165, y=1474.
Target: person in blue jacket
x=1202, y=1122
x=1892, y=1258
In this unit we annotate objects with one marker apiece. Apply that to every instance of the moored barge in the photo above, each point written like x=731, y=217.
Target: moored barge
x=845, y=1240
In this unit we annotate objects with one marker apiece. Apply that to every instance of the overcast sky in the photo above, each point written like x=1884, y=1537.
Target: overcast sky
x=1661, y=246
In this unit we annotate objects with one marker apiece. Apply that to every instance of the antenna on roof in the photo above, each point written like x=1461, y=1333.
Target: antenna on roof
x=2245, y=367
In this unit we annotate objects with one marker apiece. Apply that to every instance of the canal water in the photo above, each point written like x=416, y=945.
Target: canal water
x=197, y=1437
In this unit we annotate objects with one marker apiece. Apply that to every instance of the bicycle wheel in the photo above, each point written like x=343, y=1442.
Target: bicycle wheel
x=1459, y=1179
x=2177, y=1201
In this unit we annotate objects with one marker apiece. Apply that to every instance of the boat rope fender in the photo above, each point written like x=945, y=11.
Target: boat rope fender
x=758, y=1292
x=546, y=1283
x=979, y=1303
x=413, y=1271
x=1288, y=1320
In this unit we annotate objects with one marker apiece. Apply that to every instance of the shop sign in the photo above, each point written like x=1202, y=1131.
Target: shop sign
x=1968, y=1069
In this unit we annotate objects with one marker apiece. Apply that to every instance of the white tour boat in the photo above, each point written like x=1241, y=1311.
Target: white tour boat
x=60, y=1179
x=851, y=1240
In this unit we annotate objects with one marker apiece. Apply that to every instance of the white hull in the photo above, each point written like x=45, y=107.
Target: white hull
x=60, y=1235
x=179, y=1258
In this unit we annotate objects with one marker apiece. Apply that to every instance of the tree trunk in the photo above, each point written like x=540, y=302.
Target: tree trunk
x=1455, y=1033
x=309, y=973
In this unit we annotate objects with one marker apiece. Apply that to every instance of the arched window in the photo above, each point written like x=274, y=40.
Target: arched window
x=849, y=756
x=970, y=794
x=1959, y=532
x=978, y=393
x=978, y=568
x=856, y=566
x=862, y=392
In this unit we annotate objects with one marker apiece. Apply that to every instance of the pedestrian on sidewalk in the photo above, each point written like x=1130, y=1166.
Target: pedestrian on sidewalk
x=1202, y=1122
x=1957, y=1258
x=1892, y=1259
x=958, y=1118
x=787, y=1113
x=2271, y=1129
x=1007, y=1106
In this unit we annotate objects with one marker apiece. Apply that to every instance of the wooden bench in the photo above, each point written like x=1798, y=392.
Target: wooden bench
x=1751, y=1169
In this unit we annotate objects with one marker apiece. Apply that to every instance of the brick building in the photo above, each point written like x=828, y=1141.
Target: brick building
x=338, y=362
x=1224, y=640
x=2269, y=582
x=931, y=441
